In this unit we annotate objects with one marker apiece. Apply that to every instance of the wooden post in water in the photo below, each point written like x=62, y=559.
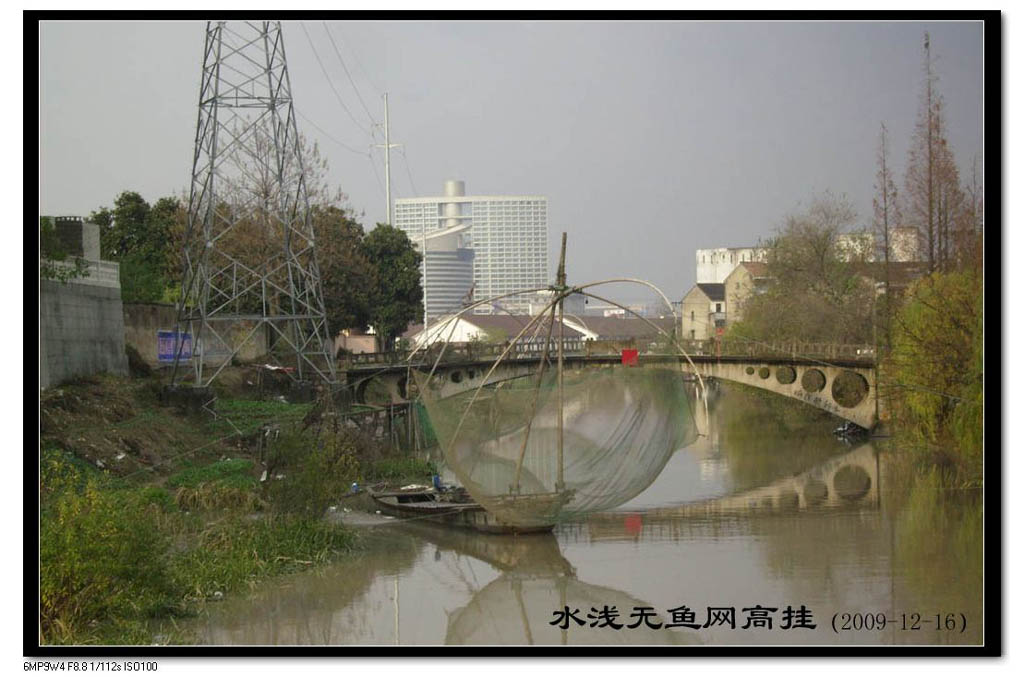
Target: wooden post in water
x=560, y=484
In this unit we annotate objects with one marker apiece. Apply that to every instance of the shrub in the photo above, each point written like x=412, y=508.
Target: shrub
x=934, y=374
x=137, y=366
x=314, y=470
x=102, y=557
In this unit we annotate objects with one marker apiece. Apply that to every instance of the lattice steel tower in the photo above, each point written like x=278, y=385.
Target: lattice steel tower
x=250, y=267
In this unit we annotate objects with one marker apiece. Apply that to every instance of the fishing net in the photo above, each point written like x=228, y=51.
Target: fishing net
x=619, y=427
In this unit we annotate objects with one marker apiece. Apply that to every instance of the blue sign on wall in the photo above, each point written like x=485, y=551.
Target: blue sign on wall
x=167, y=345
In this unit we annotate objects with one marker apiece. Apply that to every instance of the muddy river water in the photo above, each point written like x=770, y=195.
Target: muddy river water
x=768, y=530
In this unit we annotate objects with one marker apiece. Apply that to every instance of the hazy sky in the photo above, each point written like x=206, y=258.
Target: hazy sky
x=649, y=139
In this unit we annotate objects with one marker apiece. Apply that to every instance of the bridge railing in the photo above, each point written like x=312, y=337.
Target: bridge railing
x=476, y=351
x=466, y=352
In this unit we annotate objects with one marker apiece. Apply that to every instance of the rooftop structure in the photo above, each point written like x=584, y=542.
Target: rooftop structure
x=714, y=265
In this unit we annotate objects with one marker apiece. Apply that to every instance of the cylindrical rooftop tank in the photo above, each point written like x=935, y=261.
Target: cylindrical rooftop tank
x=453, y=188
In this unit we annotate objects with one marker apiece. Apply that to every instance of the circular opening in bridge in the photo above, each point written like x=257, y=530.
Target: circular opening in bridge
x=849, y=389
x=813, y=381
x=764, y=372
x=815, y=492
x=785, y=375
x=789, y=500
x=456, y=376
x=750, y=370
x=852, y=482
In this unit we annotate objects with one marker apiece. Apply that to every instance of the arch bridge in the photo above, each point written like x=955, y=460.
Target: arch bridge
x=844, y=386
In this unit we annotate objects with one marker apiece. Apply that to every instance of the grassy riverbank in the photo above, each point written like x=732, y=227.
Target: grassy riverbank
x=148, y=514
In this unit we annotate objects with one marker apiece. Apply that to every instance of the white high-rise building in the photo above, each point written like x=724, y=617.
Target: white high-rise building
x=507, y=233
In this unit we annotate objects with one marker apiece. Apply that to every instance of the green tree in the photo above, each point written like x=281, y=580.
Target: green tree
x=397, y=299
x=935, y=381
x=347, y=276
x=146, y=241
x=123, y=229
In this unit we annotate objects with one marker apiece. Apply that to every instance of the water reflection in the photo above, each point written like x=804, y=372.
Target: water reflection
x=767, y=508
x=536, y=581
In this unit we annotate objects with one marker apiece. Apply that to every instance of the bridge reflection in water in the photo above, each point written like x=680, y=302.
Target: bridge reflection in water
x=847, y=481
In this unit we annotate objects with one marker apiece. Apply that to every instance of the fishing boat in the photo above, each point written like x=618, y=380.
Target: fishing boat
x=450, y=508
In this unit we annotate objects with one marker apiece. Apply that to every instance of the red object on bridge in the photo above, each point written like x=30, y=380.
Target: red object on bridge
x=633, y=524
x=630, y=357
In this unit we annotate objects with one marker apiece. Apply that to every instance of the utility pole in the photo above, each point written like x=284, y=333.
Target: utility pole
x=387, y=146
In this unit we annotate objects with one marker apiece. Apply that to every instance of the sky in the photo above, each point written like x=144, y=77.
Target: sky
x=649, y=139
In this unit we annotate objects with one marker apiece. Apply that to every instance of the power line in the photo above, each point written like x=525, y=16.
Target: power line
x=349, y=75
x=379, y=91
x=331, y=82
x=324, y=132
x=408, y=173
x=373, y=164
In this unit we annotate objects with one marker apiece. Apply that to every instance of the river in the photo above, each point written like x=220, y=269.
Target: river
x=789, y=535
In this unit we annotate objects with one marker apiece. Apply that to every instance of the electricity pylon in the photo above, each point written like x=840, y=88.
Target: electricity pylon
x=250, y=270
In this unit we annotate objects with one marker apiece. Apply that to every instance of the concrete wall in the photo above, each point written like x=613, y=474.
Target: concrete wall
x=81, y=331
x=356, y=345
x=739, y=286
x=142, y=321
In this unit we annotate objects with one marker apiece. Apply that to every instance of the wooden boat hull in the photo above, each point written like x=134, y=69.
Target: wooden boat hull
x=463, y=515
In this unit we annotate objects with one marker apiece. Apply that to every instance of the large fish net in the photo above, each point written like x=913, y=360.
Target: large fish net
x=619, y=427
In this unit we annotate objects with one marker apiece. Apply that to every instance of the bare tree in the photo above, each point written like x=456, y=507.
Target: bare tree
x=936, y=204
x=921, y=161
x=887, y=214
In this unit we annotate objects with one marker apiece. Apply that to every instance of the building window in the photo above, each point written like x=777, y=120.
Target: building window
x=693, y=316
x=693, y=334
x=718, y=307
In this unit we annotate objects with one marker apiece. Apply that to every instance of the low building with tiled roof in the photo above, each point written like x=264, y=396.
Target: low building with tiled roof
x=488, y=329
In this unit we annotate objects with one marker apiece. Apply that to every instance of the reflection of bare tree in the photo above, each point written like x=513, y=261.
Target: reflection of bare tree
x=305, y=609
x=765, y=437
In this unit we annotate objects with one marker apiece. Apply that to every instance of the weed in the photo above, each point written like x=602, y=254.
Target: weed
x=238, y=551
x=214, y=496
x=235, y=473
x=249, y=415
x=402, y=468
